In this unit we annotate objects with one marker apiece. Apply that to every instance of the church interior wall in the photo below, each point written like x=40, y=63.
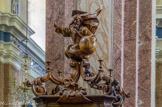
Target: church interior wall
x=23, y=10
x=13, y=30
x=158, y=2
x=5, y=6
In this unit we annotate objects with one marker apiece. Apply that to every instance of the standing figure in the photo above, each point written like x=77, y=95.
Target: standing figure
x=82, y=32
x=15, y=6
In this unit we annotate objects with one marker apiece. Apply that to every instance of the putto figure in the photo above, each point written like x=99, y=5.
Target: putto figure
x=82, y=32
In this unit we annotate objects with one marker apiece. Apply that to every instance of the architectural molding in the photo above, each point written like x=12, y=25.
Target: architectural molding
x=37, y=55
x=17, y=28
x=34, y=73
x=159, y=15
x=10, y=54
x=36, y=51
x=159, y=9
x=15, y=25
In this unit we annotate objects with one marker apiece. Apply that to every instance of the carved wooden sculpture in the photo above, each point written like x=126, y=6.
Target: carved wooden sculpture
x=82, y=32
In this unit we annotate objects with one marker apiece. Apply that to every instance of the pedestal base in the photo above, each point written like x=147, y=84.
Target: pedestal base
x=97, y=101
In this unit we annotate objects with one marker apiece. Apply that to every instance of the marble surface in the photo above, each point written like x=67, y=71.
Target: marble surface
x=67, y=41
x=129, y=51
x=117, y=31
x=60, y=11
x=103, y=35
x=144, y=58
x=132, y=49
x=54, y=42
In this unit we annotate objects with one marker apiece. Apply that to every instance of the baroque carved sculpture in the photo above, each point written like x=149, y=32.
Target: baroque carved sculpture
x=82, y=32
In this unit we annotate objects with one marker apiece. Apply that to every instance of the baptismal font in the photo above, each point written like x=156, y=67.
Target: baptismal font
x=67, y=91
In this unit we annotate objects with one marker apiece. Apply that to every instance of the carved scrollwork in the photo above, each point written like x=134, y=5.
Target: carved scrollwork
x=38, y=89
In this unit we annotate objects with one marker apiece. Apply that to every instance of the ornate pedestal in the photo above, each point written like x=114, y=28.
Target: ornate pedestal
x=96, y=101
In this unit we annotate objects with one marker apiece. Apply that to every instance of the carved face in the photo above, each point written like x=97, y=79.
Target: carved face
x=77, y=22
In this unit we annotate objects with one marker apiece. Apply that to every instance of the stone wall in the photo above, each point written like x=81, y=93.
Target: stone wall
x=158, y=84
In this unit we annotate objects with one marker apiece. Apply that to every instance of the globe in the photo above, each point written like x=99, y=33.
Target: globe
x=87, y=44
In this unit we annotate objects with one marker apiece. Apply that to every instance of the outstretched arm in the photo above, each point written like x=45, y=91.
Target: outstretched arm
x=60, y=30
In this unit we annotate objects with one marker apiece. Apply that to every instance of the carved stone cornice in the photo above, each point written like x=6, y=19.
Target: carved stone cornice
x=14, y=25
x=159, y=9
x=10, y=54
x=159, y=15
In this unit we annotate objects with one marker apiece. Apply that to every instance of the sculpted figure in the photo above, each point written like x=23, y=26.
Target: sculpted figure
x=82, y=32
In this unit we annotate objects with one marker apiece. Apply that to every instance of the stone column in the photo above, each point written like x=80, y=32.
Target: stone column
x=60, y=11
x=133, y=48
x=117, y=31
